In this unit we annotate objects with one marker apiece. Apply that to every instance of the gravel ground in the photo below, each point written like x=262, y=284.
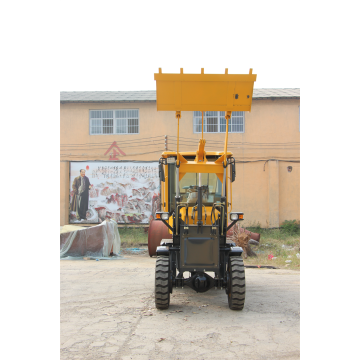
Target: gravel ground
x=107, y=311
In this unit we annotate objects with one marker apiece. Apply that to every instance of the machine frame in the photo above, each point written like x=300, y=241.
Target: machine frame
x=198, y=222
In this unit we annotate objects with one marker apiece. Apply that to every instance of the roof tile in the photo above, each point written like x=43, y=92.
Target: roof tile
x=150, y=95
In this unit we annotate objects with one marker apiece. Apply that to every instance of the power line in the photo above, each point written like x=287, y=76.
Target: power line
x=132, y=154
x=194, y=141
x=255, y=158
x=106, y=148
x=197, y=139
x=138, y=141
x=148, y=138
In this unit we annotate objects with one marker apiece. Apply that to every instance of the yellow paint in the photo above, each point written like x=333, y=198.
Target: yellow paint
x=200, y=153
x=165, y=190
x=202, y=168
x=227, y=117
x=206, y=209
x=202, y=122
x=171, y=223
x=204, y=92
x=229, y=185
x=166, y=154
x=178, y=115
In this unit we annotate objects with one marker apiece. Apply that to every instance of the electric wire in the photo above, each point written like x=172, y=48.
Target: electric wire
x=131, y=154
x=107, y=147
x=161, y=139
x=147, y=138
x=221, y=141
x=134, y=142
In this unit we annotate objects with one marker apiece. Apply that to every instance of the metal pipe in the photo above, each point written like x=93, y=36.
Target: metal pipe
x=177, y=220
x=202, y=125
x=178, y=115
x=177, y=146
x=177, y=182
x=199, y=199
x=163, y=196
x=227, y=118
x=224, y=183
x=230, y=193
x=177, y=199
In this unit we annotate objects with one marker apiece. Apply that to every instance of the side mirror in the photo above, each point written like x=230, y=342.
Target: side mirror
x=233, y=172
x=161, y=173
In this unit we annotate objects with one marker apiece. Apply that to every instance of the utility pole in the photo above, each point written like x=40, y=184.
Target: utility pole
x=166, y=142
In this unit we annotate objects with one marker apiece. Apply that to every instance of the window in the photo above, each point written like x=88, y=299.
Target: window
x=104, y=122
x=214, y=122
x=186, y=195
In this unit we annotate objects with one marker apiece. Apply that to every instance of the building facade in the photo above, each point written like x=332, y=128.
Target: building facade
x=265, y=143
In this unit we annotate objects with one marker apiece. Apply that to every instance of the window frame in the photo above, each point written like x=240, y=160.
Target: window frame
x=114, y=119
x=219, y=124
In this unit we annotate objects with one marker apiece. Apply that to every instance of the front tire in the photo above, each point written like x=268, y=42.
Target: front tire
x=162, y=279
x=236, y=286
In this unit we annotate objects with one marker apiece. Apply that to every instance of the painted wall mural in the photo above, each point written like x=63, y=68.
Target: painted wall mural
x=128, y=192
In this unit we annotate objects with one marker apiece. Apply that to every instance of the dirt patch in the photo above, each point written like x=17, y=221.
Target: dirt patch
x=108, y=310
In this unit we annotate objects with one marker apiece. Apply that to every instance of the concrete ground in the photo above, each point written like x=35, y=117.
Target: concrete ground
x=108, y=311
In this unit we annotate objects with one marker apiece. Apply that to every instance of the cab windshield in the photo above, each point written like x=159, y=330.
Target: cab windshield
x=189, y=188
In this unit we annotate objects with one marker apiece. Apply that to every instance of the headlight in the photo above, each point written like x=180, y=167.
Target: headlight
x=165, y=216
x=162, y=216
x=236, y=216
x=233, y=217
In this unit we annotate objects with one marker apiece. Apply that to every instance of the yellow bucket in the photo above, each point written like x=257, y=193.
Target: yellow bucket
x=204, y=92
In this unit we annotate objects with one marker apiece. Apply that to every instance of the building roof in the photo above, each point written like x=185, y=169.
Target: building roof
x=276, y=93
x=107, y=96
x=150, y=95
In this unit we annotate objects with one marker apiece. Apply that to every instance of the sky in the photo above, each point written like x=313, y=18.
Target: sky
x=121, y=45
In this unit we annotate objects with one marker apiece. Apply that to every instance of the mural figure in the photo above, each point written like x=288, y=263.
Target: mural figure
x=125, y=191
x=80, y=201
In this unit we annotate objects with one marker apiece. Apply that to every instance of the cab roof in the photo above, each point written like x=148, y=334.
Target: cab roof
x=167, y=154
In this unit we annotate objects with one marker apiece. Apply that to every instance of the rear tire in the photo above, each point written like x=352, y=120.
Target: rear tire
x=236, y=286
x=162, y=279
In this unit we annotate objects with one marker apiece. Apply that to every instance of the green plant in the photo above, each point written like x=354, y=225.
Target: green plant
x=290, y=227
x=254, y=227
x=132, y=236
x=282, y=250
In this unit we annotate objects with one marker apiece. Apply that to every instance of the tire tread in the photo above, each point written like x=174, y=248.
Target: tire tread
x=236, y=294
x=162, y=293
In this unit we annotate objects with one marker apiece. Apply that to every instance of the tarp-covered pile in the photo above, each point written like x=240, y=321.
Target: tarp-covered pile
x=97, y=241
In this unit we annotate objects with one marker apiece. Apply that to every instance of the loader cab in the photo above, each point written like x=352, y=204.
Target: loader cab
x=189, y=188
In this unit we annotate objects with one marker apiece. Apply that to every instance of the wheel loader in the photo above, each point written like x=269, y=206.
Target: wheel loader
x=188, y=235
